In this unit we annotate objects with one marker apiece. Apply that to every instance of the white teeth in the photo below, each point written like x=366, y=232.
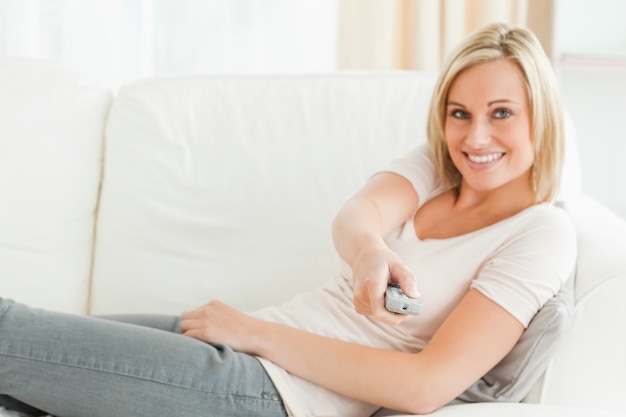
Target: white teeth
x=482, y=159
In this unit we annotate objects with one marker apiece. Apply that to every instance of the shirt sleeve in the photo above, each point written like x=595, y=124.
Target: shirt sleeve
x=418, y=168
x=532, y=266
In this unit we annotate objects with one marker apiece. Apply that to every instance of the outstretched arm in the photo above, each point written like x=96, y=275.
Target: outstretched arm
x=383, y=204
x=473, y=339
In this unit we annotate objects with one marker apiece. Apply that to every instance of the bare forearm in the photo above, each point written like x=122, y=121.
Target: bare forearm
x=385, y=378
x=383, y=204
x=356, y=227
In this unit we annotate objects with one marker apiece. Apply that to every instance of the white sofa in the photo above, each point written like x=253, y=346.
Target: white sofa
x=173, y=191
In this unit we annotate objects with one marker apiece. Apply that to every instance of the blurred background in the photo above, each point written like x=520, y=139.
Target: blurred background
x=120, y=41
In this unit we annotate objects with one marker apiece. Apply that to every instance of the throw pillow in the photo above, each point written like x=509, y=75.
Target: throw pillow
x=513, y=377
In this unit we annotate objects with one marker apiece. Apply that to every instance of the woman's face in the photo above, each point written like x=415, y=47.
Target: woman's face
x=487, y=128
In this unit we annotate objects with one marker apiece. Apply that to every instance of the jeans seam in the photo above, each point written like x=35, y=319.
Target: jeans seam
x=128, y=375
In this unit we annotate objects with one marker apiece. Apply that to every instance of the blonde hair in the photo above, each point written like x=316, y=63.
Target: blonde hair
x=520, y=46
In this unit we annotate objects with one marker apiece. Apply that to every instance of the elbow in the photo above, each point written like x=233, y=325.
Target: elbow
x=426, y=401
x=423, y=406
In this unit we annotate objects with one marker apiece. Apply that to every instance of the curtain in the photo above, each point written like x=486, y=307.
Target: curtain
x=418, y=34
x=122, y=40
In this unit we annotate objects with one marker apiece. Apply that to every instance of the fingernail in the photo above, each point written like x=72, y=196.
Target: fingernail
x=414, y=291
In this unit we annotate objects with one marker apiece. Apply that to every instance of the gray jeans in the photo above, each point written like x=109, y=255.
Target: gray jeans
x=71, y=365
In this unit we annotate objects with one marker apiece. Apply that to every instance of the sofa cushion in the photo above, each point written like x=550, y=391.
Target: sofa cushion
x=589, y=369
x=51, y=131
x=509, y=410
x=513, y=378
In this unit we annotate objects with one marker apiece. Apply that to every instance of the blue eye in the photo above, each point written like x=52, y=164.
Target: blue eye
x=501, y=113
x=459, y=114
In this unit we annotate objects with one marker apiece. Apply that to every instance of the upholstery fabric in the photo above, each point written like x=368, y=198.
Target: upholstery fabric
x=51, y=131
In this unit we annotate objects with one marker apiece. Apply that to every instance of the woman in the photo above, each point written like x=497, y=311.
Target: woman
x=466, y=223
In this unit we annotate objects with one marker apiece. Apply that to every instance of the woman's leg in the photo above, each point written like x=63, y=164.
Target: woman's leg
x=77, y=366
x=154, y=321
x=12, y=404
x=161, y=322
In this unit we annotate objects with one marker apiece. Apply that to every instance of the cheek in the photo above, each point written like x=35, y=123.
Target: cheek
x=453, y=132
x=517, y=134
x=525, y=149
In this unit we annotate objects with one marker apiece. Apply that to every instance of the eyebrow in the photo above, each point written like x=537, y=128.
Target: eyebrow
x=491, y=103
x=503, y=100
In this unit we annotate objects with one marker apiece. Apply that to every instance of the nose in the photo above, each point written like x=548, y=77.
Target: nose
x=478, y=133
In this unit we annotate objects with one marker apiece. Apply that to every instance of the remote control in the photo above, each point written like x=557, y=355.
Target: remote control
x=398, y=302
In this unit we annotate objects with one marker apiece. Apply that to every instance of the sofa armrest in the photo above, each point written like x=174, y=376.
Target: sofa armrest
x=601, y=244
x=588, y=367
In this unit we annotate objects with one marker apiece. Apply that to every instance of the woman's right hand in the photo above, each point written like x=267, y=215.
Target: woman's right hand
x=373, y=269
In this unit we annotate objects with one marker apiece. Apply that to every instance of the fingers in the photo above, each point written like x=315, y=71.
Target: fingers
x=408, y=283
x=187, y=324
x=197, y=323
x=372, y=303
x=191, y=324
x=369, y=293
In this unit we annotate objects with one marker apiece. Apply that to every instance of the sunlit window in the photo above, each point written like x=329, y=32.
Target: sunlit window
x=122, y=40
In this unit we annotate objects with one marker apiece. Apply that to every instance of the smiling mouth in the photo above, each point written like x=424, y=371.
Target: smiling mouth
x=485, y=159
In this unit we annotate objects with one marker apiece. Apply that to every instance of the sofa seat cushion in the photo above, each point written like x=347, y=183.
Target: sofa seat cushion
x=510, y=410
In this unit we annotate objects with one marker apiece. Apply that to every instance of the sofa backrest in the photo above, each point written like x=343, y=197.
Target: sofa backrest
x=214, y=186
x=51, y=132
x=225, y=186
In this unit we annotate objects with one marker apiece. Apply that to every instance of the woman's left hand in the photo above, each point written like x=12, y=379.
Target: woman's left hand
x=216, y=322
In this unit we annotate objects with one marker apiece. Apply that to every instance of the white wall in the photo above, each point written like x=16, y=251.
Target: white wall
x=595, y=95
x=591, y=39
x=592, y=28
